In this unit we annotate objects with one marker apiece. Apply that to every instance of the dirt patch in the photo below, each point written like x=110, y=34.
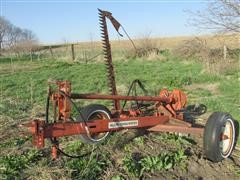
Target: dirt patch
x=195, y=166
x=213, y=87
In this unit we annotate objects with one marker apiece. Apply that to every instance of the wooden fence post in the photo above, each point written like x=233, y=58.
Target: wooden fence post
x=31, y=55
x=73, y=55
x=50, y=49
x=224, y=52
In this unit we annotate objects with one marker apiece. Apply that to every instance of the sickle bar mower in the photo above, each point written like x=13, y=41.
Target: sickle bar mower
x=167, y=112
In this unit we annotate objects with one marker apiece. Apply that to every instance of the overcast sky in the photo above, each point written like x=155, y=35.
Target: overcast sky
x=58, y=21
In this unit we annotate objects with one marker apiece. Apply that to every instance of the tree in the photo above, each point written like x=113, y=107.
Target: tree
x=14, y=36
x=16, y=39
x=221, y=16
x=5, y=28
x=26, y=41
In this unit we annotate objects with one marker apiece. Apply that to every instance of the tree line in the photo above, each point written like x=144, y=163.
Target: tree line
x=16, y=39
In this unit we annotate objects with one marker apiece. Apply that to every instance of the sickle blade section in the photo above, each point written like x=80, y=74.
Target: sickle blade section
x=108, y=57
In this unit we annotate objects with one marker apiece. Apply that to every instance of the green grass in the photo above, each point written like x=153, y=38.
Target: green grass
x=163, y=161
x=11, y=166
x=23, y=94
x=92, y=77
x=136, y=163
x=24, y=89
x=88, y=167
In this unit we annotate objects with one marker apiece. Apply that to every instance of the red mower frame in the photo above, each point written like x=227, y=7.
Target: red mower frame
x=163, y=113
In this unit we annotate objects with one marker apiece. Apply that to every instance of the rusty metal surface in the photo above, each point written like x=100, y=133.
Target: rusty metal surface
x=61, y=106
x=40, y=130
x=174, y=121
x=107, y=52
x=37, y=130
x=101, y=125
x=119, y=97
x=180, y=98
x=64, y=106
x=177, y=128
x=162, y=123
x=54, y=152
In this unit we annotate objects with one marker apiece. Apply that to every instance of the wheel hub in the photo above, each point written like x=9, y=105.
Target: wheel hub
x=226, y=138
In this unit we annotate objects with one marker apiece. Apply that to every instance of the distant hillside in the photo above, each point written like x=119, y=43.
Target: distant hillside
x=212, y=41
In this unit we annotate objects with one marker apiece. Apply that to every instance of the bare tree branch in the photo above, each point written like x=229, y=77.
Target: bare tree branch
x=16, y=39
x=221, y=16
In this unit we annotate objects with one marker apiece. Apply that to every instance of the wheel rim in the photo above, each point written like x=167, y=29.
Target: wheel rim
x=98, y=114
x=227, y=138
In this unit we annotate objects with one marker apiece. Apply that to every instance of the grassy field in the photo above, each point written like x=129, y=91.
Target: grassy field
x=122, y=48
x=23, y=93
x=213, y=41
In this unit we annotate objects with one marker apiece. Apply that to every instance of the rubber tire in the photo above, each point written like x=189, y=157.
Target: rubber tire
x=212, y=133
x=86, y=112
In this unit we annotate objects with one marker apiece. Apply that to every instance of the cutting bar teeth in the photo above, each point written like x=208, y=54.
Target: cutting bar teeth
x=108, y=57
x=105, y=46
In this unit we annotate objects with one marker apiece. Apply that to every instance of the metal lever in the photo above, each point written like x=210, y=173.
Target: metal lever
x=114, y=22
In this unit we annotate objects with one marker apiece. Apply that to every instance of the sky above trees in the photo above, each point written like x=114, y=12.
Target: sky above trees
x=59, y=21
